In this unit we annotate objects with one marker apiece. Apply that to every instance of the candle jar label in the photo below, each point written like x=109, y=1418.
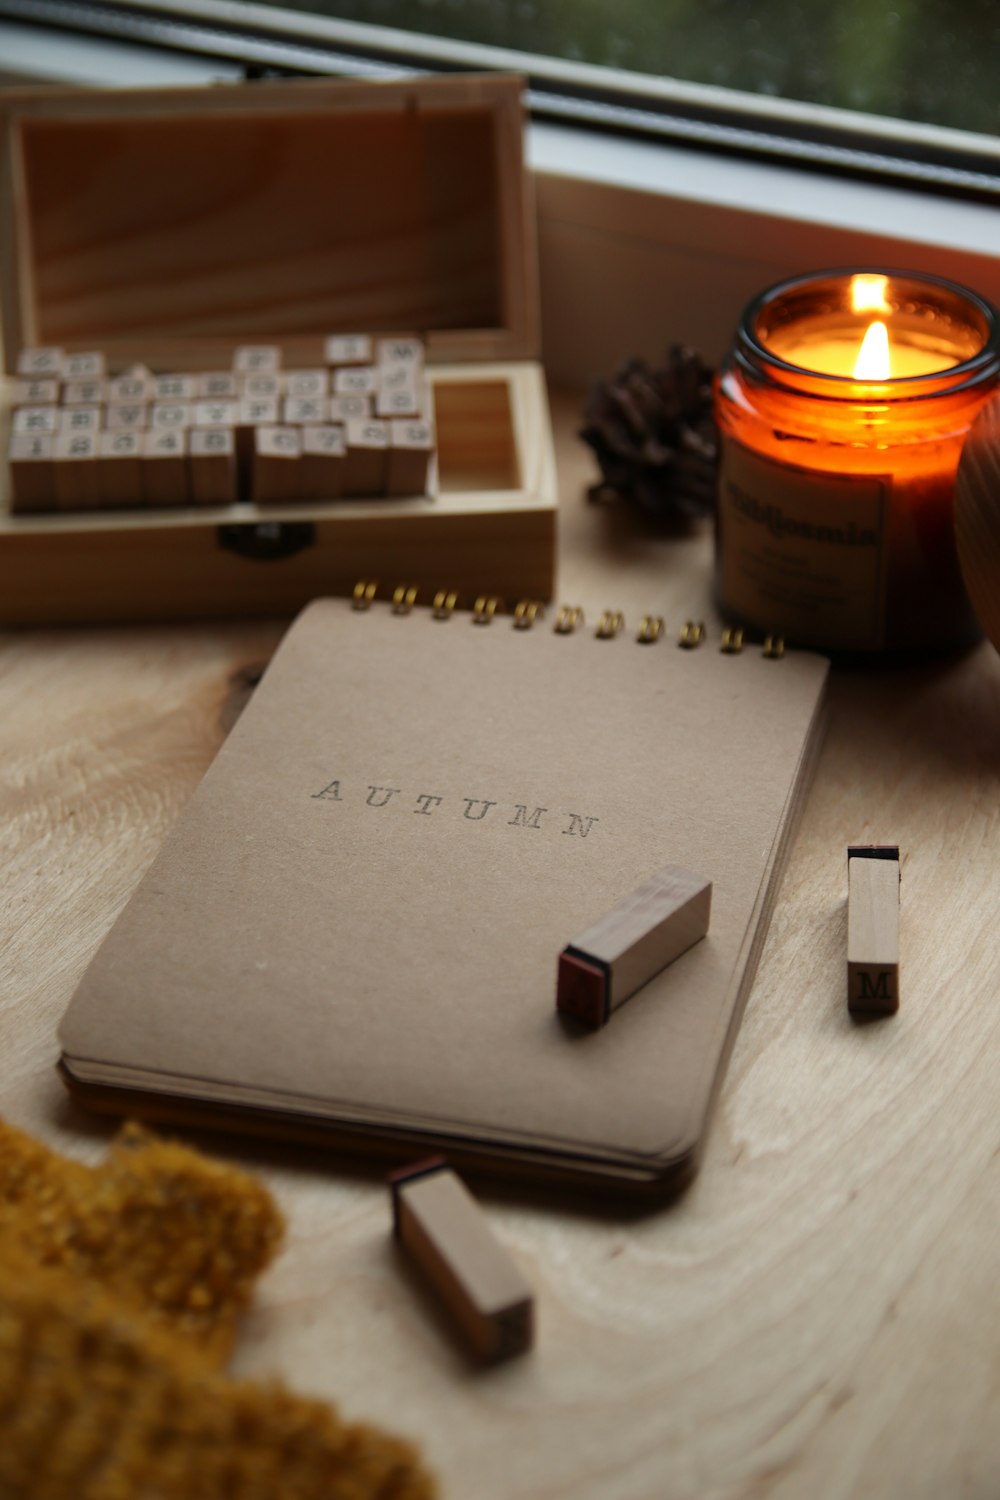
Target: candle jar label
x=802, y=551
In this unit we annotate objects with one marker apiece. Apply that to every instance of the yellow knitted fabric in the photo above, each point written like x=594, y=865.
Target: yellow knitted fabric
x=119, y=1292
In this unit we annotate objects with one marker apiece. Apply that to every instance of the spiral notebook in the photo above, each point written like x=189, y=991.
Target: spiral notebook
x=353, y=930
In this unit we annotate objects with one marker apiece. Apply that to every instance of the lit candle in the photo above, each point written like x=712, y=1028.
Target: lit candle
x=842, y=411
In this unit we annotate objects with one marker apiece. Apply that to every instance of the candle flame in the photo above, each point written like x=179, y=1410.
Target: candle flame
x=868, y=294
x=872, y=362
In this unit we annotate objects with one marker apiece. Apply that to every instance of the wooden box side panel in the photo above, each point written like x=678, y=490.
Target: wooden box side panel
x=193, y=221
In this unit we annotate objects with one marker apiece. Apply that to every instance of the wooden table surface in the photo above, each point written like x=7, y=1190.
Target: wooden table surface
x=817, y=1316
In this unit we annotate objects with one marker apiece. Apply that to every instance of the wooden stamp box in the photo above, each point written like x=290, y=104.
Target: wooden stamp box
x=169, y=227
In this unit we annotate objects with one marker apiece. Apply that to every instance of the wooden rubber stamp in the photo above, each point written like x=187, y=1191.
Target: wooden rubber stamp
x=76, y=472
x=441, y=1226
x=348, y=349
x=119, y=468
x=276, y=455
x=32, y=471
x=42, y=392
x=367, y=457
x=261, y=386
x=324, y=457
x=178, y=388
x=165, y=477
x=215, y=414
x=123, y=416
x=212, y=465
x=401, y=351
x=80, y=418
x=35, y=420
x=307, y=385
x=35, y=364
x=411, y=448
x=84, y=393
x=405, y=400
x=166, y=416
x=136, y=384
x=91, y=366
x=873, y=929
x=257, y=359
x=346, y=408
x=218, y=385
x=296, y=411
x=617, y=954
x=358, y=380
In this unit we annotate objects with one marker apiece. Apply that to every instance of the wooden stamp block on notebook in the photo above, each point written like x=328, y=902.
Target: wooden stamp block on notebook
x=212, y=465
x=119, y=473
x=410, y=452
x=165, y=477
x=34, y=364
x=367, y=457
x=35, y=393
x=442, y=1228
x=32, y=471
x=873, y=929
x=76, y=473
x=324, y=457
x=616, y=955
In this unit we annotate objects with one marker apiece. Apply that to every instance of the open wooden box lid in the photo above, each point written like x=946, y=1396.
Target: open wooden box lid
x=172, y=225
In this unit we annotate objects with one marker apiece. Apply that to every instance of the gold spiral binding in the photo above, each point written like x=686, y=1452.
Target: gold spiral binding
x=526, y=612
x=404, y=597
x=691, y=634
x=568, y=618
x=610, y=623
x=444, y=604
x=485, y=607
x=774, y=646
x=732, y=642
x=650, y=630
x=364, y=593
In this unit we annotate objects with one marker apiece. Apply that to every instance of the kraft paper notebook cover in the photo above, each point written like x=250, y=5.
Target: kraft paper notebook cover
x=355, y=925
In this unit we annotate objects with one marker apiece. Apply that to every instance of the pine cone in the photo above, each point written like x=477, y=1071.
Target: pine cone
x=655, y=437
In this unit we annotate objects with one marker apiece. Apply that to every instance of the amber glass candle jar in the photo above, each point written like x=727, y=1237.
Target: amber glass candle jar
x=842, y=411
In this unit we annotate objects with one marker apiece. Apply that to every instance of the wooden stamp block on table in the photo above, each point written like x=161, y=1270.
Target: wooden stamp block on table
x=617, y=954
x=442, y=1228
x=32, y=471
x=165, y=477
x=212, y=465
x=873, y=876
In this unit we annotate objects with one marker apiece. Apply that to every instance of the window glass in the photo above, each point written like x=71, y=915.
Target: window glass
x=930, y=61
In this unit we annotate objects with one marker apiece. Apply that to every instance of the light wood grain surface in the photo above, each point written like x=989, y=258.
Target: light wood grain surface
x=817, y=1316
